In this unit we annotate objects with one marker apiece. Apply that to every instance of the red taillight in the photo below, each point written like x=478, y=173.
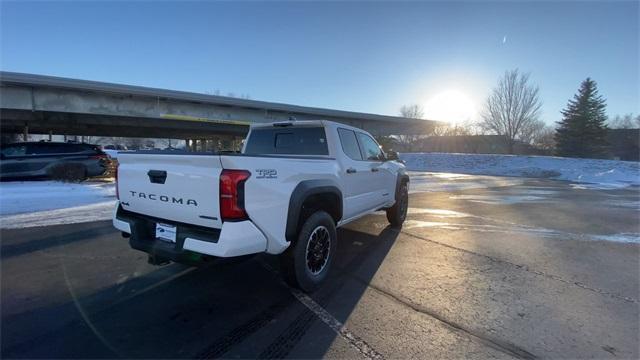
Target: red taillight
x=117, y=192
x=232, y=194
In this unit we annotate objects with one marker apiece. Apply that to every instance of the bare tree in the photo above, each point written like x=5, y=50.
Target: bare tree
x=512, y=106
x=625, y=122
x=441, y=130
x=462, y=129
x=135, y=143
x=545, y=139
x=531, y=130
x=413, y=111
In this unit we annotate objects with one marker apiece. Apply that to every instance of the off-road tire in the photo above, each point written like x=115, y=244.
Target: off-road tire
x=299, y=259
x=398, y=212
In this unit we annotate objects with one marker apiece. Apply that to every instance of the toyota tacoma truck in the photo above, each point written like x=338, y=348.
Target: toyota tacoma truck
x=286, y=193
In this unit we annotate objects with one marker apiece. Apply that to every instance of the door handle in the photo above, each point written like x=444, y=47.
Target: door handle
x=351, y=170
x=375, y=169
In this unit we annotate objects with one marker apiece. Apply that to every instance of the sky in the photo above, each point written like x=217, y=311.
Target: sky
x=360, y=56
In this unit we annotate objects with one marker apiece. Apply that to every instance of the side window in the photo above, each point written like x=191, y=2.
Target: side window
x=44, y=148
x=37, y=149
x=349, y=144
x=68, y=148
x=60, y=148
x=77, y=148
x=370, y=148
x=15, y=150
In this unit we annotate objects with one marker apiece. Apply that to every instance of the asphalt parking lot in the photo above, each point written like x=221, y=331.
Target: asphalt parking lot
x=516, y=271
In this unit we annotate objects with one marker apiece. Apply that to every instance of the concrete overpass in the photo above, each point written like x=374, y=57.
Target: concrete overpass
x=40, y=104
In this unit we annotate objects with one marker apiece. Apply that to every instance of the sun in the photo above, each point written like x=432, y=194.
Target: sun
x=450, y=106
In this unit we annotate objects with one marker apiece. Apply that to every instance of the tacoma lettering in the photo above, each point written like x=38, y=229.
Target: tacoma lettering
x=163, y=198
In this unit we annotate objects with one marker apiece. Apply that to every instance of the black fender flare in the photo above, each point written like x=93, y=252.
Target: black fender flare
x=402, y=178
x=300, y=193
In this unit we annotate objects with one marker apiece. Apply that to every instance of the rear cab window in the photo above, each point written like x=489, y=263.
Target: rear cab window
x=287, y=141
x=349, y=144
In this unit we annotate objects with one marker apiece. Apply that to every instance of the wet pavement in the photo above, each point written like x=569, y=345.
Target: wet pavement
x=485, y=267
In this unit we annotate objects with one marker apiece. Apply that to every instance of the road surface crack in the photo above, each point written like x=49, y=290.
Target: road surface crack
x=530, y=270
x=497, y=344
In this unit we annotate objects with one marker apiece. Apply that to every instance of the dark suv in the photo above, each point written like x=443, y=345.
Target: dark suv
x=40, y=159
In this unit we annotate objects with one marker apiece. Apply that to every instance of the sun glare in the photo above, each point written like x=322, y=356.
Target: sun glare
x=451, y=106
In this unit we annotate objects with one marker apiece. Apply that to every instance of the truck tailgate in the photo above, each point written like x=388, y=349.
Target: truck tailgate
x=176, y=187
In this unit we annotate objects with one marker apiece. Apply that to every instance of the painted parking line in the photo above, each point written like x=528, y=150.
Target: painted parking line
x=334, y=324
x=355, y=341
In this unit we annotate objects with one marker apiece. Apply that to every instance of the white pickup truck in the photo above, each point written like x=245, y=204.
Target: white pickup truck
x=286, y=193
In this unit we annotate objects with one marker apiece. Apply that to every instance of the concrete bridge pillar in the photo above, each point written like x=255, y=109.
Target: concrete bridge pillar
x=215, y=143
x=237, y=142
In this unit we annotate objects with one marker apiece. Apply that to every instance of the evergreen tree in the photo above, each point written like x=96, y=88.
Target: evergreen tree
x=582, y=131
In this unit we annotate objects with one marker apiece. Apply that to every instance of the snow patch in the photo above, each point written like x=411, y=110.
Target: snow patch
x=42, y=203
x=29, y=196
x=622, y=237
x=600, y=174
x=77, y=214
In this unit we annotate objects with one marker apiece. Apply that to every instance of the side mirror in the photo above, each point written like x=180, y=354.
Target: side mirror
x=392, y=155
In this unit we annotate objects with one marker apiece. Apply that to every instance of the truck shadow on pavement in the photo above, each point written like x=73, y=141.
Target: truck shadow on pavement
x=302, y=337
x=229, y=310
x=18, y=248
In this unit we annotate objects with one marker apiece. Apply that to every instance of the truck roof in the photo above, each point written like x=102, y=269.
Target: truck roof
x=323, y=123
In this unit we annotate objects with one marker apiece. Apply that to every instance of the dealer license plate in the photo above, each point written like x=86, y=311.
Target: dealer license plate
x=166, y=232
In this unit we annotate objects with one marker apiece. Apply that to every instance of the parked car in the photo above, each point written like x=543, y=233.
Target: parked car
x=293, y=184
x=41, y=159
x=114, y=147
x=113, y=150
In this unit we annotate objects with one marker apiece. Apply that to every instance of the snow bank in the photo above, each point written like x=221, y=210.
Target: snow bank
x=71, y=215
x=599, y=173
x=33, y=196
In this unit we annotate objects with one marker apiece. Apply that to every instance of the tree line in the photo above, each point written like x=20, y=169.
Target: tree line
x=512, y=110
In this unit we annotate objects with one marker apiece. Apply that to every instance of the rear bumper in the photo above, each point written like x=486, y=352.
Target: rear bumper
x=234, y=239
